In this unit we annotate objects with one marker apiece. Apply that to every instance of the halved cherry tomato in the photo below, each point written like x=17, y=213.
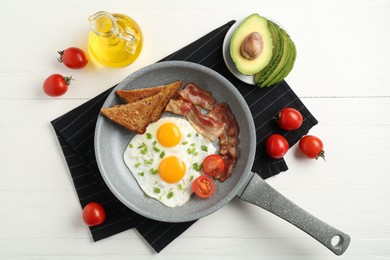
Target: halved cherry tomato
x=276, y=146
x=94, y=214
x=312, y=147
x=73, y=58
x=213, y=165
x=203, y=186
x=290, y=119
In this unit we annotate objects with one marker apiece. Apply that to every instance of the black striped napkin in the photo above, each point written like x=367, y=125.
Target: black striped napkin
x=75, y=132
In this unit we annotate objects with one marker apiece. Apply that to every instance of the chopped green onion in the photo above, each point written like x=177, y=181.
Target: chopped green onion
x=138, y=164
x=131, y=145
x=143, y=148
x=156, y=190
x=141, y=173
x=162, y=154
x=193, y=144
x=170, y=195
x=149, y=135
x=189, y=135
x=184, y=143
x=191, y=150
x=148, y=162
x=180, y=187
x=204, y=148
x=196, y=166
x=153, y=171
x=156, y=149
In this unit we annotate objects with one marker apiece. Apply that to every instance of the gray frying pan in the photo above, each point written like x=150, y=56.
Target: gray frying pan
x=111, y=141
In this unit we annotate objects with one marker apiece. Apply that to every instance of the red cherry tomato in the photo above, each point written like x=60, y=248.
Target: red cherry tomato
x=203, y=186
x=290, y=119
x=312, y=147
x=73, y=58
x=276, y=146
x=56, y=85
x=94, y=214
x=213, y=165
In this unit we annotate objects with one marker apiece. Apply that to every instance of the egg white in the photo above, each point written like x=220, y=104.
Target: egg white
x=144, y=154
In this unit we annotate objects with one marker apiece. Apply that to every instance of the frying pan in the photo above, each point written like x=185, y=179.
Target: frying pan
x=111, y=141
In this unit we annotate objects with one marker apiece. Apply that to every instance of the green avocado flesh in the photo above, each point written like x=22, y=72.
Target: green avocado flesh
x=277, y=54
x=283, y=63
x=289, y=65
x=253, y=23
x=277, y=58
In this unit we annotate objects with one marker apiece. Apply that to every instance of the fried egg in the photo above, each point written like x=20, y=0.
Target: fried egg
x=167, y=158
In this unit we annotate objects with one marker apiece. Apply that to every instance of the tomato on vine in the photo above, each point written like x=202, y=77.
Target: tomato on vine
x=73, y=58
x=290, y=119
x=56, y=85
x=93, y=214
x=312, y=147
x=276, y=146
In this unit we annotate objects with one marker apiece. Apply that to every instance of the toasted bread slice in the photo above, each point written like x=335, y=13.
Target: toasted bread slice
x=168, y=92
x=133, y=95
x=134, y=116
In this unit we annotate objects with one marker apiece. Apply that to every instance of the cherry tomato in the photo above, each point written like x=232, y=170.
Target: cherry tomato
x=312, y=147
x=94, y=214
x=276, y=146
x=213, y=165
x=290, y=119
x=56, y=85
x=73, y=58
x=203, y=186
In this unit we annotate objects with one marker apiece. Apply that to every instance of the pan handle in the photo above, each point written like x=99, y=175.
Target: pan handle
x=260, y=193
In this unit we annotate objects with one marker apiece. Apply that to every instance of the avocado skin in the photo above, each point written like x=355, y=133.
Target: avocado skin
x=281, y=63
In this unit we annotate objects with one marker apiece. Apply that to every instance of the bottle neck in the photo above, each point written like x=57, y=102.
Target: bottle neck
x=103, y=24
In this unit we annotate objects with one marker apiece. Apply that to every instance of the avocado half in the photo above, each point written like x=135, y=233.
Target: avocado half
x=253, y=23
x=277, y=58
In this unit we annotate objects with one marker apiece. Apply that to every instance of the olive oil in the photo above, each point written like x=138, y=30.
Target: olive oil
x=115, y=40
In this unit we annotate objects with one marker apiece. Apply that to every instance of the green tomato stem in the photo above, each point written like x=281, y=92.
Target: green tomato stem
x=321, y=154
x=68, y=80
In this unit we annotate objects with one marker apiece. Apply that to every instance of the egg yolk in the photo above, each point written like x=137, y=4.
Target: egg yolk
x=172, y=169
x=168, y=135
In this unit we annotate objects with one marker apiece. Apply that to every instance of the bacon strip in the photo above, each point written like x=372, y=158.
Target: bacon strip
x=205, y=125
x=197, y=96
x=179, y=107
x=228, y=139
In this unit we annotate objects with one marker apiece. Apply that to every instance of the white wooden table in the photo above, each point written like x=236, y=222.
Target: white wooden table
x=342, y=74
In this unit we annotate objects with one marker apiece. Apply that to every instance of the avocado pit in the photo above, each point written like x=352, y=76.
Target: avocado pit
x=252, y=46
